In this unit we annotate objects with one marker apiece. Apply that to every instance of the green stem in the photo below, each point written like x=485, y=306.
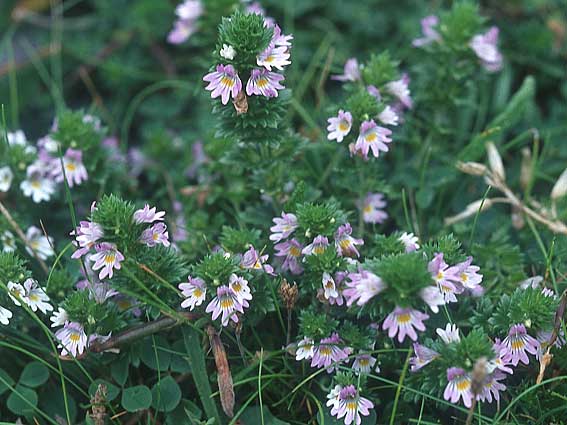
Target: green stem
x=399, y=388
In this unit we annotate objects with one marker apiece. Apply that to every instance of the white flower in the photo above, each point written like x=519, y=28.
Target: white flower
x=305, y=349
x=410, y=241
x=227, y=52
x=73, y=339
x=8, y=241
x=329, y=286
x=18, y=138
x=16, y=292
x=449, y=334
x=39, y=243
x=59, y=318
x=388, y=116
x=35, y=297
x=6, y=177
x=5, y=315
x=37, y=186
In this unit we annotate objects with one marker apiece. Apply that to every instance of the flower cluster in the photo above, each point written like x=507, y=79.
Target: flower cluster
x=484, y=45
x=261, y=77
x=185, y=25
x=30, y=294
x=374, y=99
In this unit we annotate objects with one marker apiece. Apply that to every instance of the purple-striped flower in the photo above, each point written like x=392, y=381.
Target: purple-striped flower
x=339, y=126
x=468, y=274
x=433, y=297
x=402, y=322
x=345, y=243
x=449, y=334
x=278, y=37
x=410, y=241
x=362, y=286
x=329, y=351
x=72, y=338
x=226, y=302
x=351, y=405
x=447, y=278
x=223, y=82
x=364, y=363
x=388, y=116
x=329, y=287
x=430, y=35
x=351, y=71
x=372, y=137
x=155, y=235
x=492, y=387
x=252, y=260
x=400, y=90
x=517, y=343
x=148, y=215
x=194, y=291
x=305, y=349
x=459, y=386
x=240, y=287
x=317, y=247
x=291, y=250
x=373, y=208
x=502, y=358
x=274, y=56
x=35, y=297
x=86, y=235
x=265, y=83
x=107, y=258
x=283, y=227
x=486, y=49
x=423, y=356
x=75, y=170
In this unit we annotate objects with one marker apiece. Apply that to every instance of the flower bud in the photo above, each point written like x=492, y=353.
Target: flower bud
x=472, y=168
x=495, y=161
x=560, y=188
x=240, y=103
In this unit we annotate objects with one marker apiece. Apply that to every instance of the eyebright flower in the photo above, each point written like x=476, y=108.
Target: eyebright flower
x=305, y=349
x=486, y=49
x=317, y=247
x=400, y=90
x=227, y=52
x=329, y=351
x=492, y=387
x=517, y=343
x=447, y=278
x=291, y=250
x=100, y=291
x=194, y=292
x=364, y=363
x=388, y=116
x=372, y=137
x=5, y=316
x=107, y=258
x=345, y=243
x=252, y=260
x=226, y=302
x=502, y=358
x=39, y=243
x=59, y=318
x=188, y=12
x=362, y=286
x=155, y=235
x=6, y=177
x=372, y=208
x=86, y=235
x=224, y=82
x=333, y=396
x=274, y=56
x=240, y=287
x=402, y=322
x=430, y=35
x=459, y=386
x=339, y=126
x=433, y=297
x=73, y=339
x=423, y=356
x=75, y=171
x=329, y=287
x=8, y=241
x=373, y=91
x=16, y=292
x=449, y=334
x=351, y=71
x=265, y=83
x=351, y=405
x=37, y=186
x=278, y=37
x=283, y=227
x=148, y=215
x=410, y=241
x=468, y=274
x=35, y=297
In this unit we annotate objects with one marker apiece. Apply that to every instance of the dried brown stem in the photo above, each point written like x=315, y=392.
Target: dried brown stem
x=224, y=377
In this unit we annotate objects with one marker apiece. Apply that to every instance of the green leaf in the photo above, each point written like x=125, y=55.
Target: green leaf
x=5, y=380
x=252, y=415
x=21, y=403
x=166, y=394
x=136, y=398
x=152, y=356
x=119, y=370
x=34, y=375
x=112, y=390
x=179, y=363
